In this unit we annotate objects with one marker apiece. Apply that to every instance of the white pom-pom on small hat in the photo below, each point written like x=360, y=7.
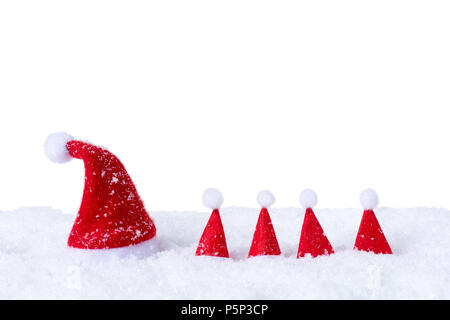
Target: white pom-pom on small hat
x=55, y=147
x=265, y=198
x=308, y=198
x=369, y=199
x=212, y=198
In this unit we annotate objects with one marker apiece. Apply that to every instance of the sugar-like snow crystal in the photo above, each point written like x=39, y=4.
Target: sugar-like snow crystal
x=35, y=262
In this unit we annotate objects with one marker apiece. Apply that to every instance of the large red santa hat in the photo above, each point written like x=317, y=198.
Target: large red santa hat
x=313, y=240
x=370, y=236
x=213, y=241
x=111, y=215
x=264, y=239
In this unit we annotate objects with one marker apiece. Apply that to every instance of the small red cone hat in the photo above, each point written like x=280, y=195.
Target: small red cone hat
x=313, y=240
x=213, y=241
x=111, y=214
x=265, y=241
x=370, y=236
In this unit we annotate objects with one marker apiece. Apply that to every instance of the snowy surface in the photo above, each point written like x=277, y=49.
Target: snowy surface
x=35, y=263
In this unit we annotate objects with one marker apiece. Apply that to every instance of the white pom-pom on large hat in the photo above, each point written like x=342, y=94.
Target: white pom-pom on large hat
x=212, y=198
x=55, y=147
x=369, y=199
x=265, y=198
x=308, y=198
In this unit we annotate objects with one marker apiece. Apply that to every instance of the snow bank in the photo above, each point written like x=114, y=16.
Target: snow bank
x=35, y=263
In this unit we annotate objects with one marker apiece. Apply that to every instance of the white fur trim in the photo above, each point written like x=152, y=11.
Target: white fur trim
x=141, y=251
x=55, y=147
x=212, y=198
x=308, y=198
x=369, y=199
x=265, y=198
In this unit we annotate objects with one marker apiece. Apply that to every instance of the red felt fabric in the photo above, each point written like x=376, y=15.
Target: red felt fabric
x=111, y=214
x=213, y=241
x=312, y=239
x=264, y=239
x=370, y=237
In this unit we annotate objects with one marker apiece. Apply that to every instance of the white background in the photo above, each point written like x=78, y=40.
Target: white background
x=240, y=95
